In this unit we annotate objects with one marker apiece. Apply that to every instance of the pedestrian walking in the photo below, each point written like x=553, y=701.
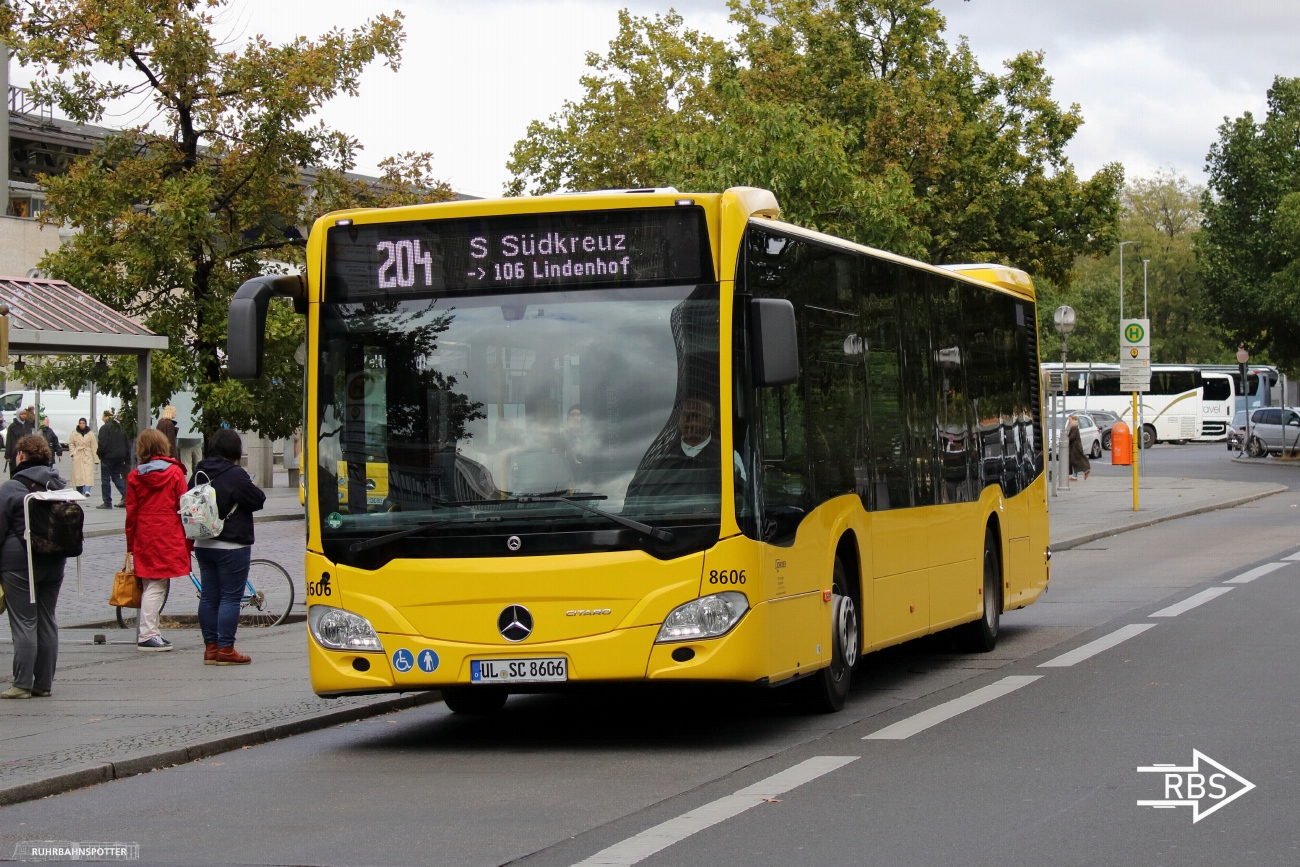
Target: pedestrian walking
x=51, y=439
x=155, y=539
x=33, y=627
x=82, y=446
x=224, y=560
x=1079, y=462
x=167, y=425
x=112, y=451
x=17, y=430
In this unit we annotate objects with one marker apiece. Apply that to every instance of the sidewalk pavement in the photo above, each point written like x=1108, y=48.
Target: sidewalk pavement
x=117, y=712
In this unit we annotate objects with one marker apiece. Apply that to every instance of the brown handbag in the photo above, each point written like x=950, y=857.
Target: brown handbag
x=126, y=587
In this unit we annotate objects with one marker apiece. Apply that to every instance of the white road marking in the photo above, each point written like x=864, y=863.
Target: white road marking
x=1192, y=601
x=1293, y=557
x=648, y=842
x=1257, y=572
x=1092, y=648
x=949, y=709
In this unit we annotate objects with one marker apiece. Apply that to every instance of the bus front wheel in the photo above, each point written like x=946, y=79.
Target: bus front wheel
x=826, y=691
x=1148, y=436
x=983, y=633
x=474, y=699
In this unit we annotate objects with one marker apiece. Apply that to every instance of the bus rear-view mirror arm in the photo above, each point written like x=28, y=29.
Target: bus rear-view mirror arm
x=246, y=328
x=775, y=339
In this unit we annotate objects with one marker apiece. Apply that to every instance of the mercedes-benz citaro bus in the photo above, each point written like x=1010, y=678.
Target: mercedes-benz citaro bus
x=649, y=436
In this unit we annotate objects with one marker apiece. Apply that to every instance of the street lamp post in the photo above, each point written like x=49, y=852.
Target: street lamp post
x=1242, y=357
x=1064, y=320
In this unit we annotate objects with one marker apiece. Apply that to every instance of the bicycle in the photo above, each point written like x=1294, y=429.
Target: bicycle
x=268, y=595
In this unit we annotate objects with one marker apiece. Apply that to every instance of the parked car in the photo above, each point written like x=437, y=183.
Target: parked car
x=1089, y=434
x=1105, y=420
x=1237, y=430
x=1274, y=430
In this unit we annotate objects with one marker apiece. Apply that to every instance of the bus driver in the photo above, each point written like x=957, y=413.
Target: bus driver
x=687, y=468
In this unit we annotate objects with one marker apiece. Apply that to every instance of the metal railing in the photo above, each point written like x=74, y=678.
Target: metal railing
x=21, y=101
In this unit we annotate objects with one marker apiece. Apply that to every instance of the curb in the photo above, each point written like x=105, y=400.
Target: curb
x=103, y=772
x=257, y=519
x=1067, y=544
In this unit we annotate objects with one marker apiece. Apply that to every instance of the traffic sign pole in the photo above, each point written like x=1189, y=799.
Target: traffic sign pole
x=1138, y=444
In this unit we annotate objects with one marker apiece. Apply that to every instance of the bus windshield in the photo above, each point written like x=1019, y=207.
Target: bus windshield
x=458, y=413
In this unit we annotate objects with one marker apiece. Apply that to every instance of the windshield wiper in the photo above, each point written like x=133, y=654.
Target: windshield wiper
x=653, y=532
x=367, y=544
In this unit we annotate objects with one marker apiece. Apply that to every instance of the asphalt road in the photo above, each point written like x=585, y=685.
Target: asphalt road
x=1042, y=772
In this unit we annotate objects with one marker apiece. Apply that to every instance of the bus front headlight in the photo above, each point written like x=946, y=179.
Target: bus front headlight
x=706, y=617
x=337, y=629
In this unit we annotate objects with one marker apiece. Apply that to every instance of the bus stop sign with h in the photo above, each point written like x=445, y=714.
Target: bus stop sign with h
x=1134, y=377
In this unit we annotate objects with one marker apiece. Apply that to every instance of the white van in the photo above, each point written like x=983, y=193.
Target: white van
x=62, y=409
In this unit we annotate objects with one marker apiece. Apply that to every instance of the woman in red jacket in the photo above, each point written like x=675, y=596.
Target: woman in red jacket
x=154, y=536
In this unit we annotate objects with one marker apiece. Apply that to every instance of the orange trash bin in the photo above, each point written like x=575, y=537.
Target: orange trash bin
x=1121, y=445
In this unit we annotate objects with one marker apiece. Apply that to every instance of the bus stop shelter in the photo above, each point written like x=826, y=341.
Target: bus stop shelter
x=52, y=317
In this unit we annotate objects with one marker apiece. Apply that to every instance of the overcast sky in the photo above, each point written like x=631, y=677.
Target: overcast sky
x=1154, y=78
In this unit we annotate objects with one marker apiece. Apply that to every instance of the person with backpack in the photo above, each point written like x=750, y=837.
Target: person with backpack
x=154, y=537
x=112, y=451
x=32, y=625
x=224, y=559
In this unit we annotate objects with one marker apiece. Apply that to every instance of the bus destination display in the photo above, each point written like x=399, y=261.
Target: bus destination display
x=629, y=247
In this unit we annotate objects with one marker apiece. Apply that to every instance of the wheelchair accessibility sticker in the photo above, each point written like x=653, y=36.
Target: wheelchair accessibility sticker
x=403, y=660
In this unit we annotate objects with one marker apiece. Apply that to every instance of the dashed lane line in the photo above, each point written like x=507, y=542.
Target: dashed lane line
x=1092, y=648
x=1192, y=602
x=949, y=709
x=1294, y=557
x=1257, y=572
x=638, y=848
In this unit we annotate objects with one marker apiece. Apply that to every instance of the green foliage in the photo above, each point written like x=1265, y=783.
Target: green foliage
x=1249, y=251
x=856, y=113
x=172, y=216
x=1162, y=215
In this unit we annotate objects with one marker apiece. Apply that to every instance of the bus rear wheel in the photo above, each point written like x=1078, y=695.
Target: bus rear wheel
x=983, y=633
x=474, y=699
x=826, y=691
x=1148, y=436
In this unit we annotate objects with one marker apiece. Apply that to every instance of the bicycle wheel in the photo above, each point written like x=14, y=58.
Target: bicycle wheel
x=129, y=618
x=268, y=596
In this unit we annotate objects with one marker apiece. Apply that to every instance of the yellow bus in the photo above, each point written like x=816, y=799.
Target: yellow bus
x=645, y=435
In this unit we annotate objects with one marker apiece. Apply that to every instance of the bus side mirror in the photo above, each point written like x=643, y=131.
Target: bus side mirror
x=775, y=341
x=246, y=327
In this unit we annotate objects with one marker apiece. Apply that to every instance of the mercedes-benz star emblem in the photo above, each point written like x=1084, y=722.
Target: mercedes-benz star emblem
x=514, y=543
x=515, y=623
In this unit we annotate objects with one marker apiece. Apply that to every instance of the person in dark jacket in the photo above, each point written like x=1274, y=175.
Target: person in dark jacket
x=18, y=428
x=688, y=468
x=154, y=536
x=51, y=438
x=1079, y=462
x=112, y=451
x=168, y=427
x=224, y=561
x=33, y=627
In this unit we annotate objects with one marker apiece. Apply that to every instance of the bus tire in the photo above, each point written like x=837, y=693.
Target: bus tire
x=474, y=699
x=1148, y=436
x=983, y=633
x=826, y=691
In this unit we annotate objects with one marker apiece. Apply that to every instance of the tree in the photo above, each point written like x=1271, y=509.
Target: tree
x=1162, y=215
x=856, y=113
x=1249, y=249
x=173, y=215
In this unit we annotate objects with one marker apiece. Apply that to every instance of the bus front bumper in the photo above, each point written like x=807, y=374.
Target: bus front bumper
x=622, y=655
